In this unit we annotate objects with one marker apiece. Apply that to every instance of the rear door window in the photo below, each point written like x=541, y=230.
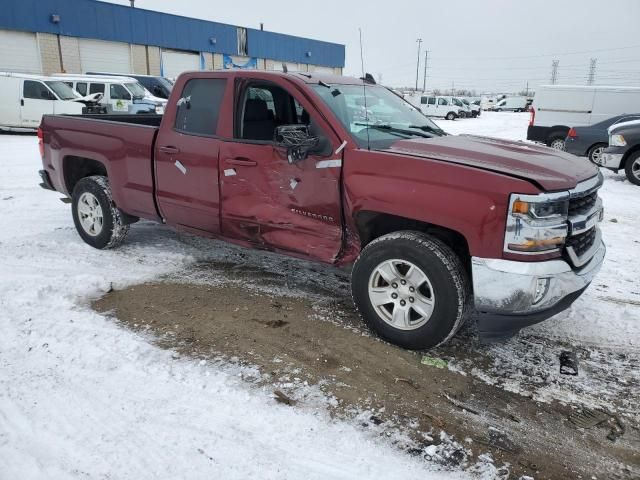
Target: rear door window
x=96, y=88
x=199, y=106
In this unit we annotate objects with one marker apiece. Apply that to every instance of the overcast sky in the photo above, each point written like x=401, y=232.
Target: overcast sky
x=490, y=45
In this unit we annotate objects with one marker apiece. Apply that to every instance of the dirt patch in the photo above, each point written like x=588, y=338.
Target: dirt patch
x=286, y=337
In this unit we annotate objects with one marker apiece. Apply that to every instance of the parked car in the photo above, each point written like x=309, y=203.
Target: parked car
x=511, y=104
x=120, y=94
x=24, y=99
x=158, y=86
x=591, y=140
x=474, y=107
x=558, y=107
x=623, y=152
x=438, y=106
x=433, y=225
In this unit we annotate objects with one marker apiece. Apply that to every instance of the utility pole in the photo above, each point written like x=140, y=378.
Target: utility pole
x=554, y=71
x=592, y=71
x=453, y=88
x=424, y=79
x=527, y=89
x=418, y=64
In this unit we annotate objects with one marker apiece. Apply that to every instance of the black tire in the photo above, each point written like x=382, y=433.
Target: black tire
x=451, y=116
x=113, y=230
x=498, y=109
x=446, y=274
x=594, y=151
x=632, y=168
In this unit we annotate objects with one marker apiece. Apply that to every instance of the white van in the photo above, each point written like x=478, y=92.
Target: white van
x=24, y=99
x=557, y=108
x=120, y=94
x=438, y=106
x=511, y=104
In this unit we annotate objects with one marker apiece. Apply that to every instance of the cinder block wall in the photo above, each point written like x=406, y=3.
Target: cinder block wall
x=153, y=60
x=49, y=53
x=70, y=48
x=139, y=59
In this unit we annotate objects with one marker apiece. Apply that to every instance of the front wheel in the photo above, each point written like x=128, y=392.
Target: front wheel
x=450, y=116
x=632, y=168
x=411, y=289
x=98, y=221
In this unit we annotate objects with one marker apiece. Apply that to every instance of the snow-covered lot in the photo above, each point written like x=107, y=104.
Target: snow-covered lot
x=82, y=396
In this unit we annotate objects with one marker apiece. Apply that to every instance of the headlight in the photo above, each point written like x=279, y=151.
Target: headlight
x=617, y=141
x=536, y=223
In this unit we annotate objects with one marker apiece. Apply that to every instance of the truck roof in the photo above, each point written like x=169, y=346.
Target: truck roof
x=306, y=77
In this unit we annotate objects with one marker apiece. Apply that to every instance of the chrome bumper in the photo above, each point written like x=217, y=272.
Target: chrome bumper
x=611, y=160
x=506, y=287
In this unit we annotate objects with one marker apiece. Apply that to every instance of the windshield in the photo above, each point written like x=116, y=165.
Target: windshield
x=62, y=90
x=136, y=89
x=456, y=101
x=386, y=118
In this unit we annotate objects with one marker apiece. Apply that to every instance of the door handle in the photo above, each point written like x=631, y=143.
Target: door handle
x=242, y=162
x=22, y=102
x=169, y=149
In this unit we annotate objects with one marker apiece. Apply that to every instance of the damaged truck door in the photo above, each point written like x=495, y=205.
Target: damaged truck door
x=268, y=197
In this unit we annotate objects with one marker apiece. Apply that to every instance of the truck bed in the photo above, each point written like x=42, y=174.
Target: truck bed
x=122, y=144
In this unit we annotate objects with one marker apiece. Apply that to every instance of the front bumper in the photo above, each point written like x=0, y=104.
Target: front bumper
x=611, y=161
x=510, y=295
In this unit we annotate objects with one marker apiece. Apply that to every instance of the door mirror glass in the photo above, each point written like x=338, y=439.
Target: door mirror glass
x=296, y=141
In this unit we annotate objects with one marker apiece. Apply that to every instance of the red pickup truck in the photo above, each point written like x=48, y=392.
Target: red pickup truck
x=436, y=227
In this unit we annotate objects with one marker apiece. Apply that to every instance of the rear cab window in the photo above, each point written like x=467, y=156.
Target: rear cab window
x=199, y=106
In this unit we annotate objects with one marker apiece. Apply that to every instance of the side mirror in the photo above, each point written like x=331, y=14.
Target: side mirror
x=296, y=141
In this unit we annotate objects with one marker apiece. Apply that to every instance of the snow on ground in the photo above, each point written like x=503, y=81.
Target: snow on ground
x=81, y=397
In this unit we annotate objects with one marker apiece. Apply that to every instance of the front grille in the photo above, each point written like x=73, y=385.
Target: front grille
x=583, y=242
x=582, y=205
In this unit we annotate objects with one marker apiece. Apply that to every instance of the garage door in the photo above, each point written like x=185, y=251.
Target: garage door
x=100, y=56
x=174, y=63
x=19, y=52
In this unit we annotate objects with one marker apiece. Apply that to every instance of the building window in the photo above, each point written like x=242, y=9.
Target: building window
x=199, y=106
x=243, y=47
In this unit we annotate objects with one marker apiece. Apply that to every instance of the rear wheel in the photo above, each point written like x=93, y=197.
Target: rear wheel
x=595, y=152
x=98, y=221
x=632, y=168
x=557, y=143
x=411, y=289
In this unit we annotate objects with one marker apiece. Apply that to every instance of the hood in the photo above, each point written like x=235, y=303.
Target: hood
x=549, y=169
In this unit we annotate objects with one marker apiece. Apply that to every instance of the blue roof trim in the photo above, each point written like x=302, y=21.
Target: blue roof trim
x=288, y=48
x=118, y=23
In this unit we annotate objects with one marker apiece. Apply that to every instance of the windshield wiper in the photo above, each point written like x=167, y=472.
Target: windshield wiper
x=389, y=128
x=427, y=128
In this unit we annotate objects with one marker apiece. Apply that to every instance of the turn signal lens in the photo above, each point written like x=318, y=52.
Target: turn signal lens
x=520, y=207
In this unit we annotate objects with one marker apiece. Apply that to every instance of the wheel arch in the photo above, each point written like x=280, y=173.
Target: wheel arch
x=75, y=168
x=628, y=154
x=372, y=224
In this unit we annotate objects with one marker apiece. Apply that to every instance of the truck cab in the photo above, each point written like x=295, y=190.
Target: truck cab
x=24, y=99
x=435, y=227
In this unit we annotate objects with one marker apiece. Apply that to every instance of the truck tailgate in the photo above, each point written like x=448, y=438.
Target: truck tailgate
x=124, y=148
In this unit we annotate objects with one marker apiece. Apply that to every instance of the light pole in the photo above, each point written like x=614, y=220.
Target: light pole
x=418, y=64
